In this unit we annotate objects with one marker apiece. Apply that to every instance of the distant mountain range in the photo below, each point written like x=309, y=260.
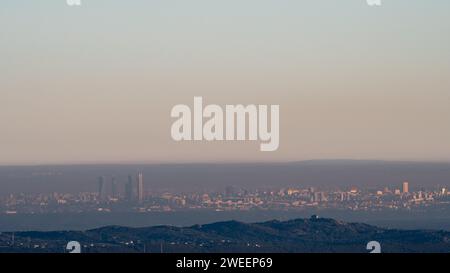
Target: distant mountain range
x=216, y=176
x=299, y=235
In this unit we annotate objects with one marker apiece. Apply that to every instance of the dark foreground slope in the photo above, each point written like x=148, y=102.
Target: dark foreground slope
x=300, y=235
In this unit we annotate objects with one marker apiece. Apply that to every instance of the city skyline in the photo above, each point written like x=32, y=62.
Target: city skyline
x=126, y=196
x=398, y=199
x=235, y=135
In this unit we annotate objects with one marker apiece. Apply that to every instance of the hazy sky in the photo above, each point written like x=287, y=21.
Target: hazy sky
x=96, y=83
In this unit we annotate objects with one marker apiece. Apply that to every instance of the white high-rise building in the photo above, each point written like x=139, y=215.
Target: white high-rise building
x=405, y=187
x=140, y=187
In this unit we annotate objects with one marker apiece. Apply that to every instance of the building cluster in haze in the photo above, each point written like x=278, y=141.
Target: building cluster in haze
x=112, y=196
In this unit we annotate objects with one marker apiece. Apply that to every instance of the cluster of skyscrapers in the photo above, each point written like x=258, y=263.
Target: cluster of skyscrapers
x=134, y=188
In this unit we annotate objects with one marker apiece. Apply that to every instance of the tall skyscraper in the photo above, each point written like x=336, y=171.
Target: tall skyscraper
x=129, y=189
x=405, y=187
x=114, y=187
x=101, y=188
x=140, y=187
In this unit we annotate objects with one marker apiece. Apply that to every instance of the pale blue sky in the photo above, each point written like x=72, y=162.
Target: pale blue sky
x=96, y=83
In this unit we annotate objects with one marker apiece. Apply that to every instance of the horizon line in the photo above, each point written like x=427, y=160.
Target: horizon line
x=215, y=162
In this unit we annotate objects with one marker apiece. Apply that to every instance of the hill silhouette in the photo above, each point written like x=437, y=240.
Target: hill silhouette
x=299, y=235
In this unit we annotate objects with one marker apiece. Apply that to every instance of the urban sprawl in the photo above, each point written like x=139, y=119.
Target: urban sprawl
x=132, y=196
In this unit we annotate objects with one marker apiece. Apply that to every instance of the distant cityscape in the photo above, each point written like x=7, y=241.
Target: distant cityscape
x=131, y=195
